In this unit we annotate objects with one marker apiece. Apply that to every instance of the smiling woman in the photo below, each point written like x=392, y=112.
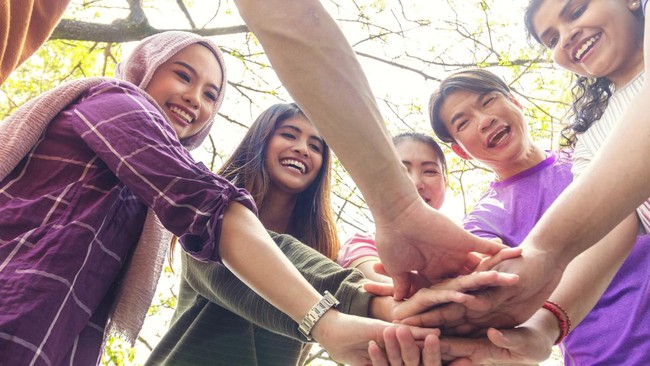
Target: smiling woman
x=293, y=160
x=186, y=90
x=290, y=174
x=104, y=164
x=285, y=164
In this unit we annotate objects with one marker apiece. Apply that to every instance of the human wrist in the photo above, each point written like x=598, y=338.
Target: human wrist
x=323, y=330
x=555, y=247
x=546, y=325
x=550, y=261
x=381, y=307
x=390, y=204
x=562, y=320
x=316, y=313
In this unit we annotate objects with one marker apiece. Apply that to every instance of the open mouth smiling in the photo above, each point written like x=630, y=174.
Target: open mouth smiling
x=498, y=136
x=182, y=114
x=294, y=164
x=586, y=46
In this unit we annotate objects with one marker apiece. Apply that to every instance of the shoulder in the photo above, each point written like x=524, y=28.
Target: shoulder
x=564, y=160
x=116, y=89
x=357, y=238
x=113, y=98
x=122, y=109
x=281, y=239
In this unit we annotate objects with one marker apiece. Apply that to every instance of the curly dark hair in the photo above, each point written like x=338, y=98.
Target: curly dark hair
x=590, y=95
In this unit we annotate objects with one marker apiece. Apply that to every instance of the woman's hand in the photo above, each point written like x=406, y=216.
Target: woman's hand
x=346, y=337
x=502, y=306
x=527, y=344
x=418, y=309
x=402, y=349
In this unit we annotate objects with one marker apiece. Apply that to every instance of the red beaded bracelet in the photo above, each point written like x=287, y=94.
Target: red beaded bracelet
x=562, y=317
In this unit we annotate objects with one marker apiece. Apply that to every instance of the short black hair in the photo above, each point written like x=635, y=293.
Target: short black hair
x=479, y=81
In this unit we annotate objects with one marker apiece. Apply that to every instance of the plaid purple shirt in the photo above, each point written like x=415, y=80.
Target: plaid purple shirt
x=73, y=209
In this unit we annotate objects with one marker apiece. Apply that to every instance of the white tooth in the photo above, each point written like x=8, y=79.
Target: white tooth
x=181, y=113
x=296, y=163
x=585, y=47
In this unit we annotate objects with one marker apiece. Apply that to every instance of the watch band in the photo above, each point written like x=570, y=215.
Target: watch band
x=317, y=311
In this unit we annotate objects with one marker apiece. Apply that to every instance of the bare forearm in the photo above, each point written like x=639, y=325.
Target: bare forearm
x=612, y=186
x=319, y=68
x=249, y=252
x=599, y=264
x=366, y=266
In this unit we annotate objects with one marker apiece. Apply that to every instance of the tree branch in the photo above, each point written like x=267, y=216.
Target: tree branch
x=126, y=31
x=181, y=5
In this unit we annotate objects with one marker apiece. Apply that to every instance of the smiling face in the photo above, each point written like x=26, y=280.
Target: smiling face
x=294, y=155
x=425, y=170
x=490, y=128
x=593, y=38
x=186, y=88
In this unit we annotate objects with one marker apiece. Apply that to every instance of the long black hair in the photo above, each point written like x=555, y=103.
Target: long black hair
x=312, y=220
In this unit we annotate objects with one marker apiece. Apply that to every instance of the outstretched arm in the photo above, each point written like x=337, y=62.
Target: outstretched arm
x=220, y=286
x=247, y=249
x=528, y=344
x=599, y=264
x=319, y=69
x=531, y=342
x=545, y=257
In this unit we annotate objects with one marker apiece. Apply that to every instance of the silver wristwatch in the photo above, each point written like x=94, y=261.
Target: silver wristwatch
x=317, y=311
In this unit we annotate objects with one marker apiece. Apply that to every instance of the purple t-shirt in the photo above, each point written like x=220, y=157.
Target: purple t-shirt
x=73, y=209
x=510, y=208
x=616, y=331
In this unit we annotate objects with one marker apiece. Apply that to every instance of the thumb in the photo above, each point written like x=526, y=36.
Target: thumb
x=525, y=346
x=402, y=284
x=378, y=288
x=485, y=246
x=379, y=268
x=502, y=338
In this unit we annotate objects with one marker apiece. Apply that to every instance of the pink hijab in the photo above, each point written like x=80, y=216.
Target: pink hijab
x=153, y=51
x=21, y=131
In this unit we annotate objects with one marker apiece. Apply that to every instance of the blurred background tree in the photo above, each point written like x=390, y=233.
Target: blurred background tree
x=405, y=46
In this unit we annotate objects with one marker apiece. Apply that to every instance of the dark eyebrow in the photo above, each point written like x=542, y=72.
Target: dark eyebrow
x=292, y=127
x=455, y=117
x=458, y=115
x=191, y=69
x=320, y=140
x=482, y=96
x=563, y=12
x=425, y=163
x=565, y=8
x=430, y=162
